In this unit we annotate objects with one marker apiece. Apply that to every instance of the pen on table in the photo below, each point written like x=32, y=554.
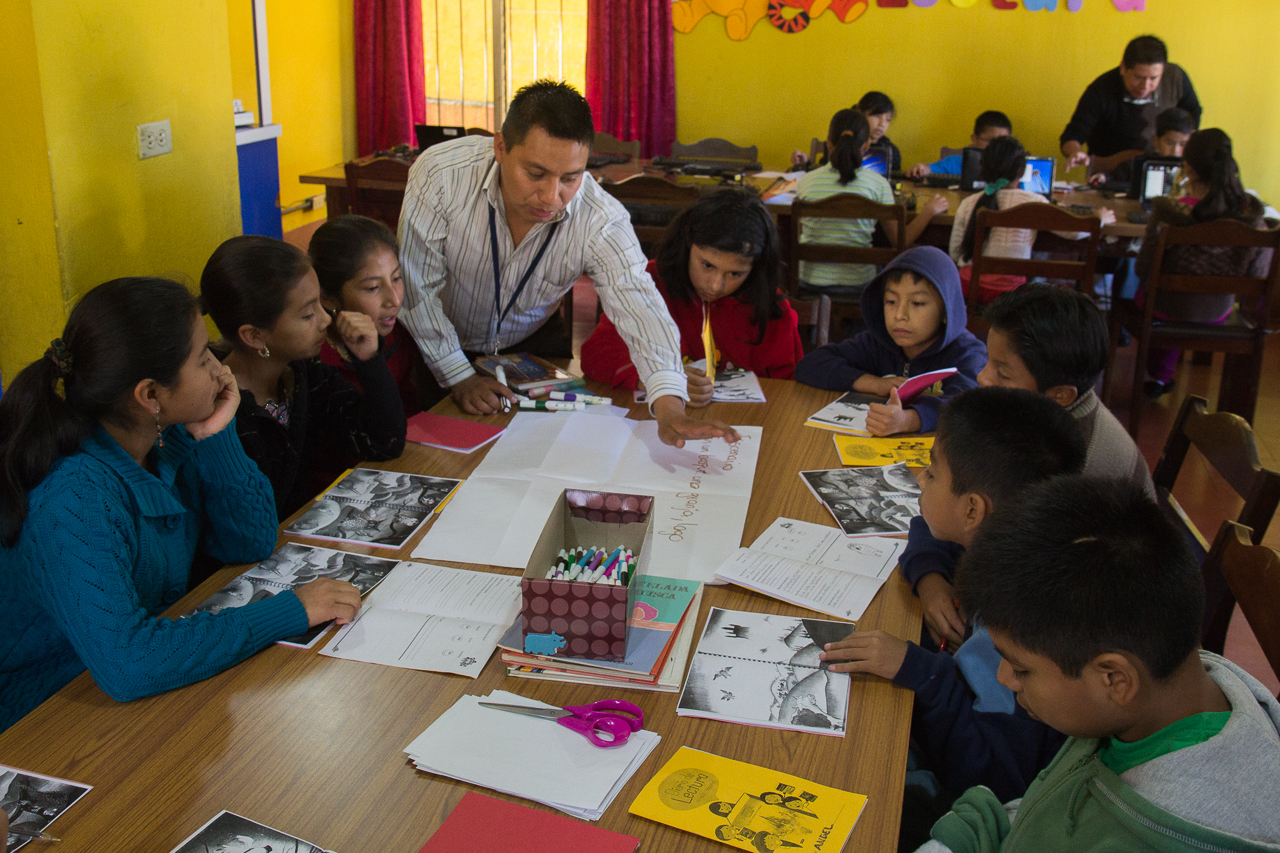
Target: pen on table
x=581, y=398
x=552, y=405
x=500, y=374
x=36, y=834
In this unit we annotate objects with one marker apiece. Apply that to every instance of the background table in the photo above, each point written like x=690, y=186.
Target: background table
x=314, y=746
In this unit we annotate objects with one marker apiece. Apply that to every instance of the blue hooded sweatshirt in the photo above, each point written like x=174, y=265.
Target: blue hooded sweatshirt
x=836, y=367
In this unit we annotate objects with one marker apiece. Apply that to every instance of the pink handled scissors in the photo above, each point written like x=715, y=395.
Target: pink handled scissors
x=616, y=718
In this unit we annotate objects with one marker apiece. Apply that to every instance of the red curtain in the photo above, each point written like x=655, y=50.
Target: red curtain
x=631, y=72
x=390, y=76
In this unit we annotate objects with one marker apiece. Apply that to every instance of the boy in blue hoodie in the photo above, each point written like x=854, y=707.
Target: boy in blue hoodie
x=991, y=444
x=915, y=316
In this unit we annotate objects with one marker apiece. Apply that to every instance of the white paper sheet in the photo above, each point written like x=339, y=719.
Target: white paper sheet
x=526, y=756
x=814, y=566
x=432, y=618
x=701, y=491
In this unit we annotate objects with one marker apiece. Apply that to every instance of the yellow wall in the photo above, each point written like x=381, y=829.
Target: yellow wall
x=31, y=298
x=943, y=65
x=90, y=71
x=312, y=93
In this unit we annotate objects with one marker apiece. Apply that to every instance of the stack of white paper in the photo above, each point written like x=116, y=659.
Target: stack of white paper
x=528, y=757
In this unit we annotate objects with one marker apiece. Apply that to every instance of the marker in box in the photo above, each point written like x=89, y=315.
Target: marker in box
x=590, y=399
x=552, y=406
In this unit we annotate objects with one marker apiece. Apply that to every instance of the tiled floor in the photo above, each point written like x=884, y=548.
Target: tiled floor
x=1205, y=496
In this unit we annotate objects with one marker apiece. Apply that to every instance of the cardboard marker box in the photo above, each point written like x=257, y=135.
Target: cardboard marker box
x=576, y=619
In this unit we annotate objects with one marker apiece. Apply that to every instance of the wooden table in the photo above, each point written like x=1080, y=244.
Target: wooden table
x=314, y=746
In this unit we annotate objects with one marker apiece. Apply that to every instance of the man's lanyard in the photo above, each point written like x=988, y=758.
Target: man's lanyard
x=497, y=272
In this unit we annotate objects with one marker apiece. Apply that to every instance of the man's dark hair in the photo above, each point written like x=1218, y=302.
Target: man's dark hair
x=1176, y=120
x=1058, y=333
x=1145, y=50
x=997, y=441
x=991, y=118
x=557, y=108
x=1080, y=566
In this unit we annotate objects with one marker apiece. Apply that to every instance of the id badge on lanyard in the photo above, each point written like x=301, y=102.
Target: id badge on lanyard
x=497, y=273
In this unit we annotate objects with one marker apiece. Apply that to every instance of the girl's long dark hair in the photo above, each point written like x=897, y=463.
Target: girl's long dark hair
x=247, y=282
x=1003, y=158
x=735, y=221
x=342, y=246
x=1209, y=153
x=848, y=134
x=120, y=333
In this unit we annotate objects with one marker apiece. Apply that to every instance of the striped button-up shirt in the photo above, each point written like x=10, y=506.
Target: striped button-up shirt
x=447, y=266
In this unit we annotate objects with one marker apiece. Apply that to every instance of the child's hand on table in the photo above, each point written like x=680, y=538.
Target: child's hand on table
x=326, y=598
x=878, y=386
x=701, y=387
x=936, y=206
x=890, y=418
x=873, y=652
x=919, y=170
x=937, y=597
x=480, y=395
x=799, y=158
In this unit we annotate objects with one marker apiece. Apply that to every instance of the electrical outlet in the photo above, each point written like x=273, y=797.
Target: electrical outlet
x=154, y=139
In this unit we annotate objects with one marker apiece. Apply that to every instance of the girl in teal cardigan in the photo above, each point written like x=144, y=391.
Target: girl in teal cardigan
x=115, y=460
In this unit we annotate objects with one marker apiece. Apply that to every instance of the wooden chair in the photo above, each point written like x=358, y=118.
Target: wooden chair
x=817, y=147
x=1251, y=574
x=946, y=152
x=842, y=206
x=1226, y=442
x=1242, y=337
x=375, y=188
x=714, y=148
x=652, y=202
x=1042, y=218
x=607, y=143
x=479, y=131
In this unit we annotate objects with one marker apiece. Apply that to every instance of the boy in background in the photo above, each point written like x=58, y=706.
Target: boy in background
x=1095, y=603
x=1053, y=341
x=915, y=322
x=1174, y=127
x=991, y=444
x=989, y=125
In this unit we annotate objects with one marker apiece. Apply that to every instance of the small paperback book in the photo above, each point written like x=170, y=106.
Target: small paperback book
x=378, y=508
x=229, y=831
x=732, y=385
x=446, y=433
x=847, y=414
x=857, y=452
x=432, y=618
x=291, y=566
x=33, y=801
x=480, y=824
x=924, y=383
x=868, y=501
x=525, y=373
x=763, y=669
x=747, y=806
x=813, y=566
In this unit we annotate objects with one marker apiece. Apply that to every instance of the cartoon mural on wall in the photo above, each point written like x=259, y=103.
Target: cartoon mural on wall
x=793, y=16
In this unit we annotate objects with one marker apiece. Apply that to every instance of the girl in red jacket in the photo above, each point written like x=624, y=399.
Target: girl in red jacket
x=724, y=246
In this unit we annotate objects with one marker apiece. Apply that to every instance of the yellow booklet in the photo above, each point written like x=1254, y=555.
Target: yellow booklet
x=748, y=807
x=856, y=450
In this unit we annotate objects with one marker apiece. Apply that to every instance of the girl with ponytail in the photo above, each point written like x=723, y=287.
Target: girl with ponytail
x=719, y=256
x=1004, y=161
x=848, y=139
x=1211, y=190
x=117, y=457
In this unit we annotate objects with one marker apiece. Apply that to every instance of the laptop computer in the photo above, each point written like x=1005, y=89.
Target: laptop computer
x=1038, y=178
x=876, y=160
x=434, y=134
x=1153, y=177
x=971, y=169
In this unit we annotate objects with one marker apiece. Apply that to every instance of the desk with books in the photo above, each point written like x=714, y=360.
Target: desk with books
x=314, y=746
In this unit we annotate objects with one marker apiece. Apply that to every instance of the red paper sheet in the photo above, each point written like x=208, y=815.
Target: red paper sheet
x=480, y=824
x=450, y=433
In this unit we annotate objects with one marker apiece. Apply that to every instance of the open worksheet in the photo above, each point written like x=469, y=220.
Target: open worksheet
x=814, y=566
x=432, y=618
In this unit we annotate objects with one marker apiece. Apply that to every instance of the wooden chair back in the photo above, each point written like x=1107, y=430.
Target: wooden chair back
x=715, y=148
x=1038, y=217
x=1242, y=337
x=375, y=188
x=1251, y=573
x=607, y=143
x=654, y=202
x=1226, y=441
x=949, y=152
x=479, y=131
x=842, y=206
x=817, y=147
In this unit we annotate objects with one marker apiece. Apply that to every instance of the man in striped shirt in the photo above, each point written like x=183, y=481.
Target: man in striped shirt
x=493, y=233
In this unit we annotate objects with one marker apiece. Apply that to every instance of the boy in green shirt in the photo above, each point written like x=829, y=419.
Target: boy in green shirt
x=1095, y=602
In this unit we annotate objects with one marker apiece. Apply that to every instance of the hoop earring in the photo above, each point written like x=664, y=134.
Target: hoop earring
x=159, y=432
x=265, y=352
